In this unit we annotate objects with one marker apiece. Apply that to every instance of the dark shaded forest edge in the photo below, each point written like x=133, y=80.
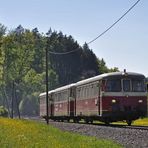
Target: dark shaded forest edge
x=23, y=66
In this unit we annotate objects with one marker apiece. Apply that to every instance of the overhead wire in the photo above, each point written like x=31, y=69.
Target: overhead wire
x=114, y=22
x=64, y=53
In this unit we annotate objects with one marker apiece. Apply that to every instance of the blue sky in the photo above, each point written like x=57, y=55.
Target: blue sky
x=125, y=46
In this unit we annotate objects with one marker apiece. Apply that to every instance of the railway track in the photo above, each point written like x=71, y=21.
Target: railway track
x=136, y=127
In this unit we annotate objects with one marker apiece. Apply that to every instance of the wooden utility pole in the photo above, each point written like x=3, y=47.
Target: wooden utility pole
x=47, y=101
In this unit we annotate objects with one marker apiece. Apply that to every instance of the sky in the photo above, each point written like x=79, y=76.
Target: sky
x=124, y=46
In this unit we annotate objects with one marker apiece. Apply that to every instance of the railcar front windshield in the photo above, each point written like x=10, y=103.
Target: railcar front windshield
x=138, y=85
x=126, y=85
x=113, y=85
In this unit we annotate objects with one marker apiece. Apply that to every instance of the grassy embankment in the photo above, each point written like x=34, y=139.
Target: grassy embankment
x=138, y=122
x=141, y=122
x=27, y=134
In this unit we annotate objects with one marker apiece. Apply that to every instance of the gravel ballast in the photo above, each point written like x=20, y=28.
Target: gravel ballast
x=129, y=138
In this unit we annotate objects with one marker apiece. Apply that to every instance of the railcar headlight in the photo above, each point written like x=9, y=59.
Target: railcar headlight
x=113, y=101
x=140, y=101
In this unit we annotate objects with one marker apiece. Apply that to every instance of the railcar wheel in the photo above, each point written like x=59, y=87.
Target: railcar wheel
x=91, y=121
x=86, y=121
x=76, y=120
x=129, y=122
x=107, y=122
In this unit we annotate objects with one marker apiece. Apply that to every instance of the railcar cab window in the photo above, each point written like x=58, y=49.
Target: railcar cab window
x=126, y=85
x=113, y=85
x=138, y=85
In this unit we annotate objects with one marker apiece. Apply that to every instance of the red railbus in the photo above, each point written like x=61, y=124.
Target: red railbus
x=108, y=98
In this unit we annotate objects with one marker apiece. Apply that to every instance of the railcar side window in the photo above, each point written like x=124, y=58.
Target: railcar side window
x=113, y=85
x=126, y=85
x=138, y=85
x=78, y=93
x=55, y=96
x=81, y=92
x=42, y=100
x=96, y=89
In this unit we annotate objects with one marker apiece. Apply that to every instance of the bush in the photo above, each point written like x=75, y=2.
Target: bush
x=3, y=111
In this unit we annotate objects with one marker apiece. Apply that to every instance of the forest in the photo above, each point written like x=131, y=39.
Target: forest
x=23, y=66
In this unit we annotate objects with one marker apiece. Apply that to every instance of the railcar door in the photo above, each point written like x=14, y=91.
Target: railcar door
x=51, y=106
x=72, y=102
x=51, y=109
x=101, y=88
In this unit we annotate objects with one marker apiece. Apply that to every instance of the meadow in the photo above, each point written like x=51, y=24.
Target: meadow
x=16, y=133
x=141, y=122
x=138, y=122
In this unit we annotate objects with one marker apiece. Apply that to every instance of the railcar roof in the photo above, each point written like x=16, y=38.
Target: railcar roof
x=44, y=93
x=64, y=87
x=58, y=89
x=102, y=76
x=96, y=78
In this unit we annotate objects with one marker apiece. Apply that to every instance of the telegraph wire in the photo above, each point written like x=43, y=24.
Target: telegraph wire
x=64, y=53
x=114, y=22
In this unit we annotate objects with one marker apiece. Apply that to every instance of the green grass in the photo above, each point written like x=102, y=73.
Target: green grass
x=28, y=134
x=141, y=122
x=138, y=122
